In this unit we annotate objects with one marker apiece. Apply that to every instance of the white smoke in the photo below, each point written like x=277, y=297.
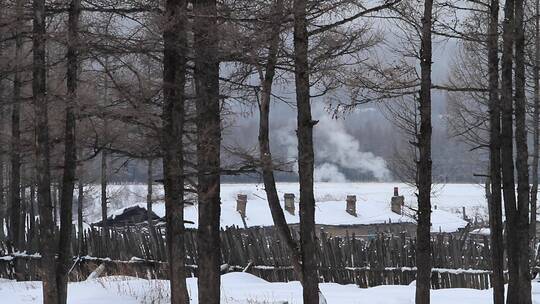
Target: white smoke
x=335, y=145
x=335, y=148
x=328, y=173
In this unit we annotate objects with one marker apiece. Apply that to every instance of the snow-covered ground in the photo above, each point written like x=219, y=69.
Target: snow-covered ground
x=373, y=203
x=237, y=288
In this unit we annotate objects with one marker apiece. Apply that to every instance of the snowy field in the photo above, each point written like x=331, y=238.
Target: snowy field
x=237, y=288
x=243, y=288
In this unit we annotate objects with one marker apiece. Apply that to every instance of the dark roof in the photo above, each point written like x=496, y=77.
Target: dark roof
x=129, y=216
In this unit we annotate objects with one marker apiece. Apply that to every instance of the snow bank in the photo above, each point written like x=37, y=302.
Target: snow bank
x=237, y=288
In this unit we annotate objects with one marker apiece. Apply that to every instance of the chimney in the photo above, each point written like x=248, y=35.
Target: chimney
x=241, y=202
x=289, y=202
x=397, y=202
x=351, y=205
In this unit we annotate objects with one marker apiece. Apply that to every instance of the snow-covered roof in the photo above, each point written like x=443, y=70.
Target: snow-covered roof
x=330, y=209
x=481, y=231
x=331, y=213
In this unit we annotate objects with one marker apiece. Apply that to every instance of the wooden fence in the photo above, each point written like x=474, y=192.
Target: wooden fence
x=458, y=261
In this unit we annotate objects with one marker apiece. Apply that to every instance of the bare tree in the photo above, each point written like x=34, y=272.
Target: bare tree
x=206, y=78
x=494, y=199
x=15, y=151
x=423, y=179
x=266, y=76
x=306, y=155
x=39, y=89
x=522, y=155
x=70, y=154
x=174, y=81
x=536, y=123
x=508, y=181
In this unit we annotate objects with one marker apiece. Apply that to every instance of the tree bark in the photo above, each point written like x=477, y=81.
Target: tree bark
x=308, y=242
x=264, y=143
x=3, y=165
x=70, y=154
x=536, y=129
x=507, y=163
x=423, y=179
x=522, y=156
x=39, y=89
x=208, y=149
x=174, y=80
x=494, y=199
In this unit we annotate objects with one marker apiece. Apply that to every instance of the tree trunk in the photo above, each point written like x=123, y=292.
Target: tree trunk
x=80, y=208
x=149, y=190
x=208, y=149
x=522, y=156
x=39, y=89
x=494, y=199
x=70, y=154
x=15, y=151
x=149, y=203
x=32, y=210
x=54, y=202
x=3, y=121
x=104, y=189
x=423, y=179
x=536, y=131
x=174, y=80
x=308, y=242
x=264, y=143
x=507, y=163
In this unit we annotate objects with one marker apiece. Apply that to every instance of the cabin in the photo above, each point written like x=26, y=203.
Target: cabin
x=336, y=215
x=364, y=219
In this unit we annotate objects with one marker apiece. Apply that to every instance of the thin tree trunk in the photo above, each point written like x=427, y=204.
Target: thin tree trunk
x=507, y=163
x=423, y=179
x=39, y=89
x=494, y=199
x=15, y=151
x=104, y=189
x=208, y=149
x=80, y=208
x=22, y=215
x=308, y=242
x=32, y=203
x=264, y=143
x=54, y=188
x=522, y=156
x=104, y=152
x=174, y=81
x=149, y=203
x=149, y=189
x=70, y=154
